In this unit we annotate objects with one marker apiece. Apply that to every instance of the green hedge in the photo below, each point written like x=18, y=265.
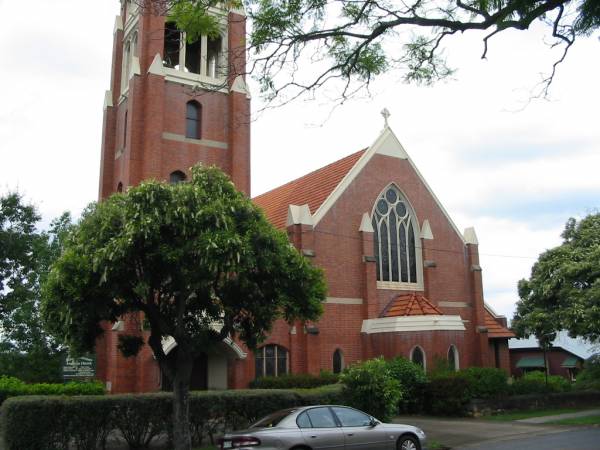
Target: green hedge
x=535, y=383
x=13, y=387
x=485, y=382
x=447, y=396
x=295, y=381
x=49, y=423
x=413, y=380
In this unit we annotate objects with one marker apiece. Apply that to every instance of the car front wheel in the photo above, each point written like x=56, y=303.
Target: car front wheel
x=408, y=443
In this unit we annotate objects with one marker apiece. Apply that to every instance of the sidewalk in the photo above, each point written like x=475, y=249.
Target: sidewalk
x=574, y=415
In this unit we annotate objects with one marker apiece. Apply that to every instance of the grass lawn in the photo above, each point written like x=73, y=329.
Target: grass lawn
x=507, y=417
x=590, y=420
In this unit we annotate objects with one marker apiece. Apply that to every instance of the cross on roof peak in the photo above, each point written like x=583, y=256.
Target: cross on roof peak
x=386, y=114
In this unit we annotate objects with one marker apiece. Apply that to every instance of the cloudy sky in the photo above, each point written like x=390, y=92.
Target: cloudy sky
x=513, y=169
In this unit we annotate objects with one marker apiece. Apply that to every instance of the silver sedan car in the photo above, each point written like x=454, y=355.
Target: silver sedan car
x=324, y=427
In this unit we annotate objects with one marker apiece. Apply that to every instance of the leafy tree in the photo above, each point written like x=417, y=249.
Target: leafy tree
x=356, y=40
x=563, y=291
x=198, y=259
x=26, y=350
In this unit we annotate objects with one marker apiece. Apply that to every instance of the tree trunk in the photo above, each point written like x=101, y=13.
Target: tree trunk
x=182, y=439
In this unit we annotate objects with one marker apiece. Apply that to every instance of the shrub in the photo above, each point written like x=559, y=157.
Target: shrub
x=371, y=387
x=535, y=383
x=292, y=381
x=485, y=382
x=13, y=387
x=50, y=423
x=413, y=380
x=447, y=395
x=589, y=378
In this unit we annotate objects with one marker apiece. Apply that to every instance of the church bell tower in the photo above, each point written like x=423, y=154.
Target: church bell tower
x=174, y=103
x=171, y=104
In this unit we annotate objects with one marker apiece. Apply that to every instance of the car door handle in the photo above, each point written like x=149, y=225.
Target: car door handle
x=350, y=434
x=313, y=436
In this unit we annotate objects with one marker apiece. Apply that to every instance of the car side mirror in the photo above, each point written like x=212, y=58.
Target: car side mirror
x=374, y=422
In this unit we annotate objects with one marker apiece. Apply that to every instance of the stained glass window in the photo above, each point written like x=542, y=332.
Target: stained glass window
x=271, y=361
x=193, y=120
x=395, y=242
x=453, y=358
x=338, y=361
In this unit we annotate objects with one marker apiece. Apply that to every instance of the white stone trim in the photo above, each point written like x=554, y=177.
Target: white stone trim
x=470, y=236
x=239, y=85
x=108, y=102
x=135, y=67
x=365, y=224
x=298, y=215
x=386, y=144
x=205, y=142
x=400, y=286
x=169, y=343
x=344, y=301
x=118, y=24
x=453, y=304
x=426, y=230
x=196, y=80
x=412, y=323
x=157, y=68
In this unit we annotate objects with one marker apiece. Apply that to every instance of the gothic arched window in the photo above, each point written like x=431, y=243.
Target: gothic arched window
x=417, y=355
x=271, y=361
x=177, y=177
x=338, y=361
x=120, y=187
x=193, y=120
x=453, y=358
x=395, y=238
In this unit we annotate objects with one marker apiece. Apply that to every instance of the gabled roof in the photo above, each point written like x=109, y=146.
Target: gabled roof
x=410, y=305
x=311, y=189
x=495, y=328
x=577, y=346
x=322, y=188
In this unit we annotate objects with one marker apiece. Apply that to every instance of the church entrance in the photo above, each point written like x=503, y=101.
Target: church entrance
x=199, y=380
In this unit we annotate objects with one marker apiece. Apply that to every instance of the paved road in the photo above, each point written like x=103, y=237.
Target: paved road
x=578, y=439
x=456, y=433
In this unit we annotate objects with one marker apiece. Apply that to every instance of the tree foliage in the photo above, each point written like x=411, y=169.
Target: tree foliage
x=198, y=259
x=357, y=40
x=563, y=291
x=26, y=349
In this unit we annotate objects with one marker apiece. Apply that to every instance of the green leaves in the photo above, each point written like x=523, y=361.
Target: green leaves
x=188, y=256
x=564, y=288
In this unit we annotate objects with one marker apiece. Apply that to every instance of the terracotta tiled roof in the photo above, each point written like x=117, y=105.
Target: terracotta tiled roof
x=410, y=305
x=495, y=329
x=311, y=189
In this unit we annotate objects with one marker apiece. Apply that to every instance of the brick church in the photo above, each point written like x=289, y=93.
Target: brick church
x=402, y=279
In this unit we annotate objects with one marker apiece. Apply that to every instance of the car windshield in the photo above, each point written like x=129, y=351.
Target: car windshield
x=272, y=419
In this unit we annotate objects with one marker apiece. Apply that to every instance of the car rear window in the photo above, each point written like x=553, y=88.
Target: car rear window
x=272, y=420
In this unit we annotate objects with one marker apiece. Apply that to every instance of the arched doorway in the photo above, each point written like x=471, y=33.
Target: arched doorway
x=199, y=380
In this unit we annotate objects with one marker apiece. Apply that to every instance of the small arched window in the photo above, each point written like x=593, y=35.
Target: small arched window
x=125, y=131
x=193, y=120
x=177, y=177
x=417, y=355
x=338, y=361
x=453, y=358
x=271, y=361
x=120, y=187
x=126, y=66
x=395, y=230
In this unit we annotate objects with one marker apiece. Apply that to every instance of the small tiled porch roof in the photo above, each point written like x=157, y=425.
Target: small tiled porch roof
x=312, y=189
x=495, y=329
x=410, y=305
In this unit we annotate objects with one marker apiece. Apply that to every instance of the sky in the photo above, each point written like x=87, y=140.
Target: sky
x=514, y=169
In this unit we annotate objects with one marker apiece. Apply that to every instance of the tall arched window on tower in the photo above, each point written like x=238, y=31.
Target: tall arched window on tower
x=396, y=231
x=213, y=50
x=271, y=361
x=338, y=361
x=193, y=120
x=177, y=177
